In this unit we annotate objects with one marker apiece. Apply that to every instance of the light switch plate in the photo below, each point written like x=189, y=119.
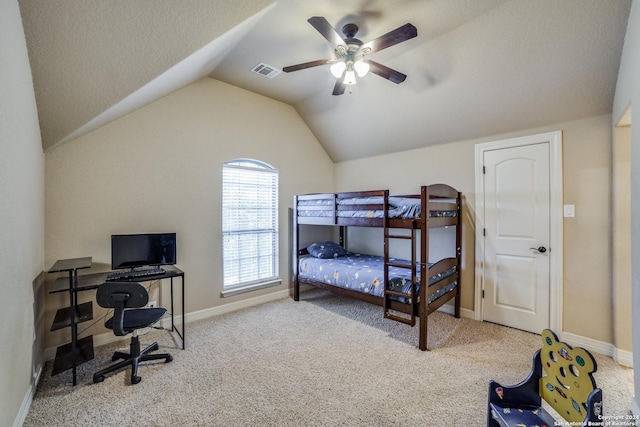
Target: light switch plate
x=569, y=211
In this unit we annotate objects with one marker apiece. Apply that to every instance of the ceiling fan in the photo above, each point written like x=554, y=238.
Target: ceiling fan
x=350, y=53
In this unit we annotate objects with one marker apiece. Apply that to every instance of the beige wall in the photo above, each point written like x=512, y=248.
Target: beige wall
x=160, y=169
x=587, y=237
x=21, y=222
x=587, y=168
x=621, y=237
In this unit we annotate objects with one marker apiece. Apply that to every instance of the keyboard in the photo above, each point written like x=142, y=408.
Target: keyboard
x=134, y=274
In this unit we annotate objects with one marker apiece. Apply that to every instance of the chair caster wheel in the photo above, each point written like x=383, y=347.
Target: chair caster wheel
x=168, y=359
x=98, y=379
x=135, y=379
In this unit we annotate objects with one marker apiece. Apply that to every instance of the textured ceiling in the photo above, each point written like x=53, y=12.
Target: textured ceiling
x=476, y=68
x=88, y=55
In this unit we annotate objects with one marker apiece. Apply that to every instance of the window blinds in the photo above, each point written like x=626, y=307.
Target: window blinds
x=249, y=223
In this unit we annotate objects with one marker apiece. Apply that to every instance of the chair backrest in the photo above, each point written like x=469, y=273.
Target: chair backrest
x=567, y=379
x=121, y=295
x=131, y=294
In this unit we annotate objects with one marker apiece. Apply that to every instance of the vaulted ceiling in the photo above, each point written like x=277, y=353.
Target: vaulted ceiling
x=476, y=68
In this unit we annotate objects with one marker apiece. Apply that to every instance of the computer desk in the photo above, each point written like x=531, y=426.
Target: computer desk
x=85, y=282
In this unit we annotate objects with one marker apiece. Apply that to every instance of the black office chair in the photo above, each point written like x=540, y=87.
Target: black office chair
x=128, y=295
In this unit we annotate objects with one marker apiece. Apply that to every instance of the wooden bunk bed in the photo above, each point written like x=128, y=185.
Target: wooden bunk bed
x=424, y=287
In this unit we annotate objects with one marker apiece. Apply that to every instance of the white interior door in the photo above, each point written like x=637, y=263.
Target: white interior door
x=516, y=265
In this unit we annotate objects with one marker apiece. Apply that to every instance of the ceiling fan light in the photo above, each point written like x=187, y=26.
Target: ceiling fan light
x=350, y=78
x=337, y=68
x=361, y=67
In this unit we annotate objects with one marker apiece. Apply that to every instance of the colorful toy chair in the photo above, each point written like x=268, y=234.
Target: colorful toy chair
x=562, y=376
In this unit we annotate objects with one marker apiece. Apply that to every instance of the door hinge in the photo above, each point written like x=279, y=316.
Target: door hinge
x=484, y=231
x=484, y=170
x=483, y=293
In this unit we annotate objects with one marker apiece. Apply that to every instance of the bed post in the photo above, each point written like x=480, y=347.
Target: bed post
x=424, y=263
x=343, y=236
x=295, y=236
x=458, y=255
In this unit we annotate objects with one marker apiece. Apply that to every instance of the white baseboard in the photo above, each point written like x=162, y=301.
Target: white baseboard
x=464, y=312
x=623, y=357
x=228, y=308
x=28, y=398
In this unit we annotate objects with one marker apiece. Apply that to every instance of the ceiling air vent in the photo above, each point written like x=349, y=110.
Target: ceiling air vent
x=266, y=70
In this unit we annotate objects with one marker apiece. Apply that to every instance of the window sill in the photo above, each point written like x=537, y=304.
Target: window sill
x=248, y=288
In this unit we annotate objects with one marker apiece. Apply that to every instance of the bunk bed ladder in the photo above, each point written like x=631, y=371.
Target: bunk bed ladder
x=388, y=293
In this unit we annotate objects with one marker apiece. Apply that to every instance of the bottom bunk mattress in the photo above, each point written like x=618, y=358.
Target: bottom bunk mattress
x=365, y=273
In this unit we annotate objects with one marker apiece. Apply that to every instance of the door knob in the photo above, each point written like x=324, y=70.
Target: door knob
x=540, y=249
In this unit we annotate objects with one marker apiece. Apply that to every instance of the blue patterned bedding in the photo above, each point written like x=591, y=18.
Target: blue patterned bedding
x=365, y=273
x=399, y=207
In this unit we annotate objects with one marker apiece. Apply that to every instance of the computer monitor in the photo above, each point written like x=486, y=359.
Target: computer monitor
x=138, y=250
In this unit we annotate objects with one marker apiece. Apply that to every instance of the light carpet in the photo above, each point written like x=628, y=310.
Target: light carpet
x=324, y=361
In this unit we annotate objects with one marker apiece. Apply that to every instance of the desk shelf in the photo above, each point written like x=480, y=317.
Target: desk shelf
x=79, y=284
x=83, y=313
x=78, y=351
x=65, y=359
x=72, y=264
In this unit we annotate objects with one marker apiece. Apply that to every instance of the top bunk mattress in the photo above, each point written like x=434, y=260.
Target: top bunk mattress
x=355, y=207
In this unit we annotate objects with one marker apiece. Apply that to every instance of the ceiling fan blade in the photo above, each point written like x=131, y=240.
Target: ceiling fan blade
x=304, y=65
x=386, y=72
x=338, y=89
x=327, y=31
x=400, y=34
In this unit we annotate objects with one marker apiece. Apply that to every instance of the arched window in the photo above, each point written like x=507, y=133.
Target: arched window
x=249, y=225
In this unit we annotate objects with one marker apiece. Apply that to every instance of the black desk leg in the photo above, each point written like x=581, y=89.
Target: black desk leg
x=184, y=320
x=173, y=325
x=74, y=327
